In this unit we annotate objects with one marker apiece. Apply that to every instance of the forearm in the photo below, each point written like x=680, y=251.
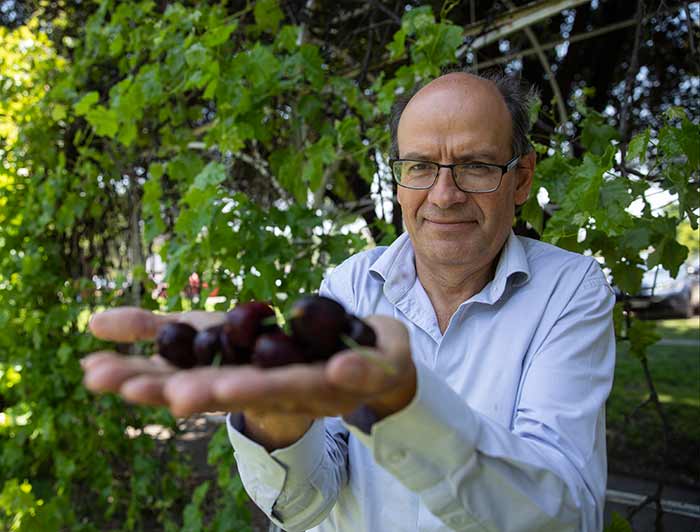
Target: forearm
x=469, y=470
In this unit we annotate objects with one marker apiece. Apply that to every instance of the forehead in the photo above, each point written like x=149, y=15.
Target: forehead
x=456, y=113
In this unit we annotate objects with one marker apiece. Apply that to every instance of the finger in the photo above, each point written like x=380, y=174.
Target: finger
x=131, y=324
x=200, y=319
x=93, y=359
x=189, y=392
x=108, y=371
x=127, y=324
x=145, y=390
x=351, y=371
x=297, y=388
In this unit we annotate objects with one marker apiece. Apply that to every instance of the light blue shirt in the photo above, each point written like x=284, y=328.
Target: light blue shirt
x=507, y=428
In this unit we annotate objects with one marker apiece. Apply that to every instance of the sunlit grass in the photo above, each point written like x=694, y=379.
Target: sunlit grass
x=675, y=370
x=688, y=329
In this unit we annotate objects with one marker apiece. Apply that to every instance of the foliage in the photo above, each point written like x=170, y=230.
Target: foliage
x=676, y=372
x=234, y=145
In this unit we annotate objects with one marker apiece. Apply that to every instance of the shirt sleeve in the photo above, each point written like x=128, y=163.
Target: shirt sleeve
x=545, y=472
x=298, y=485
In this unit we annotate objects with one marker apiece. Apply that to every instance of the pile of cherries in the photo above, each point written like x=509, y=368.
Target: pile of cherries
x=250, y=334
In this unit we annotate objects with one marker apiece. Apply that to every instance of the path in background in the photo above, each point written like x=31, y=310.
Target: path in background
x=683, y=505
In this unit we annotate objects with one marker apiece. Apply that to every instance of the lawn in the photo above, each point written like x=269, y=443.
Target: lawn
x=635, y=435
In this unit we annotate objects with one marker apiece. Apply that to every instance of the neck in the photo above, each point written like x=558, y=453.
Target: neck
x=448, y=287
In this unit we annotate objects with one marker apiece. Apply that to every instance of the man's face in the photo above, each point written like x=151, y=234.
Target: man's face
x=459, y=119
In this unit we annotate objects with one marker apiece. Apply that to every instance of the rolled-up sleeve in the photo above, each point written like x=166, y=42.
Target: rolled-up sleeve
x=298, y=485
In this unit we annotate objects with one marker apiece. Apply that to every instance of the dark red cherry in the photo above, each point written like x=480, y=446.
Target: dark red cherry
x=276, y=349
x=246, y=322
x=207, y=344
x=174, y=341
x=361, y=333
x=318, y=324
x=230, y=354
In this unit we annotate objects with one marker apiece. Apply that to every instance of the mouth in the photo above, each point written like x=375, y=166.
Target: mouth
x=457, y=228
x=450, y=222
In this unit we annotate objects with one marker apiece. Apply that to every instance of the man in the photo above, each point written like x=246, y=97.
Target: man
x=503, y=349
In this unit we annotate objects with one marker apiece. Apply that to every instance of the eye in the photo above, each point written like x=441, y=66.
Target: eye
x=475, y=169
x=417, y=166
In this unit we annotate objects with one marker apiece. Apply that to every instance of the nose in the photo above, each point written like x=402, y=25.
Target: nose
x=444, y=193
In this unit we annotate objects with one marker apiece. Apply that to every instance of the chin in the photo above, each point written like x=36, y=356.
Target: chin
x=450, y=255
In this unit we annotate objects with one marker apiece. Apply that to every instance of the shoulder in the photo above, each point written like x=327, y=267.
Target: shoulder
x=353, y=279
x=358, y=264
x=549, y=262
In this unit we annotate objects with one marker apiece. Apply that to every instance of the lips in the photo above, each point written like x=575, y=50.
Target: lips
x=450, y=222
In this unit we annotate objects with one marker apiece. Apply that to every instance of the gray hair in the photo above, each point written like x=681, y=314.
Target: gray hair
x=518, y=94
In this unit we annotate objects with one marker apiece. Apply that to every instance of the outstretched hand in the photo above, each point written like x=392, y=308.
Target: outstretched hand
x=336, y=387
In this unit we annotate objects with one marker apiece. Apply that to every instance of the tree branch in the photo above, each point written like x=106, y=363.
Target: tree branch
x=561, y=106
x=629, y=82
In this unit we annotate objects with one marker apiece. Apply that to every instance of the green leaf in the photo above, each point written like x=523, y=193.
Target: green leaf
x=267, y=15
x=318, y=155
x=86, y=102
x=642, y=335
x=262, y=65
x=418, y=19
x=156, y=170
x=288, y=38
x=193, y=517
x=628, y=277
x=210, y=176
x=218, y=35
x=287, y=165
x=184, y=167
x=105, y=121
x=638, y=146
x=675, y=113
x=151, y=204
x=618, y=524
x=683, y=140
x=533, y=214
x=58, y=112
x=669, y=253
x=397, y=47
x=438, y=46
x=597, y=135
x=197, y=56
x=197, y=212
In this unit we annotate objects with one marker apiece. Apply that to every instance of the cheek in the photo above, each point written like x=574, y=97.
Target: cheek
x=496, y=209
x=409, y=200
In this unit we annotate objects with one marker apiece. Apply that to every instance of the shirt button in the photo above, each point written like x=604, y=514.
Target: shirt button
x=457, y=521
x=397, y=456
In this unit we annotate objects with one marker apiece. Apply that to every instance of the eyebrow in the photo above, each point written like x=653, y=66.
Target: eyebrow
x=465, y=157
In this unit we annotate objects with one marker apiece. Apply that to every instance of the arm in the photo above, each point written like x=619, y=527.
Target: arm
x=548, y=470
x=296, y=486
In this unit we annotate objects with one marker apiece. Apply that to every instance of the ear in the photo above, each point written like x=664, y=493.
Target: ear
x=523, y=175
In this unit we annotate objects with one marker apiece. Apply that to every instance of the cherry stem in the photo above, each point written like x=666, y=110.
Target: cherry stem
x=369, y=355
x=270, y=320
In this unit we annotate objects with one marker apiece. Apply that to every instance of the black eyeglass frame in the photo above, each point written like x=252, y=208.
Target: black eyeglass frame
x=505, y=168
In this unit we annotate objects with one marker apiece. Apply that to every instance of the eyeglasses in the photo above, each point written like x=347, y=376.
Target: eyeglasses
x=468, y=177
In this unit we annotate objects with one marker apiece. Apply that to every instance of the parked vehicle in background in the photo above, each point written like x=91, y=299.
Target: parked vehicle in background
x=662, y=296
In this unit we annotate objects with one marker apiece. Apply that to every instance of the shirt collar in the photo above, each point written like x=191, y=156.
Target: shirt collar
x=396, y=266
